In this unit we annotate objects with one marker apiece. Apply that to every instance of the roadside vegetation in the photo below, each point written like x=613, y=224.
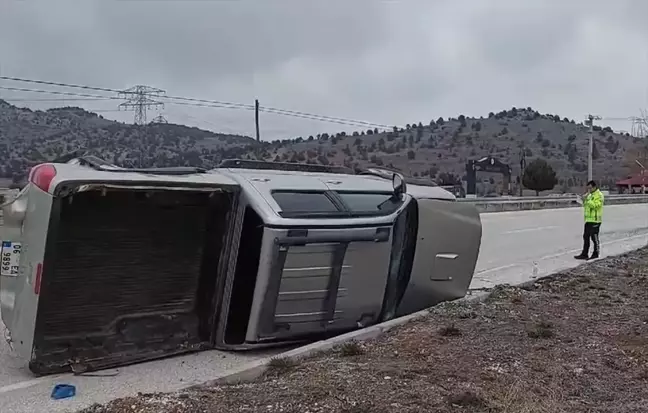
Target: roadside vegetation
x=573, y=342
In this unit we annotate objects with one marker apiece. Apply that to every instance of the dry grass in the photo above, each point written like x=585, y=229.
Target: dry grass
x=350, y=349
x=576, y=342
x=521, y=397
x=449, y=330
x=280, y=365
x=543, y=329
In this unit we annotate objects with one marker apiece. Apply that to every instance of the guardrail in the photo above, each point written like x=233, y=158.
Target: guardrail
x=546, y=198
x=526, y=203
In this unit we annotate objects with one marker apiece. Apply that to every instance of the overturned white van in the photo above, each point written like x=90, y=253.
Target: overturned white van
x=104, y=266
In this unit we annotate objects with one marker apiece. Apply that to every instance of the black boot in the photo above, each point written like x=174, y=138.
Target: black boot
x=586, y=245
x=595, y=253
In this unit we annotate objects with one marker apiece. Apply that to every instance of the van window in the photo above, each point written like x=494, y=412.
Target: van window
x=370, y=203
x=292, y=202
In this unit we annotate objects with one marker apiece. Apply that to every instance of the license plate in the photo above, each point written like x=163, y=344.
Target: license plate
x=10, y=258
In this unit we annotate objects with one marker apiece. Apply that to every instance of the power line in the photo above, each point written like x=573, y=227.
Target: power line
x=281, y=112
x=216, y=103
x=278, y=111
x=627, y=118
x=103, y=89
x=59, y=100
x=56, y=92
x=213, y=104
x=70, y=85
x=222, y=126
x=640, y=123
x=83, y=96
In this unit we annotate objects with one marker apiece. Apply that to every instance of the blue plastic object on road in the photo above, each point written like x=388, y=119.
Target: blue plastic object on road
x=63, y=391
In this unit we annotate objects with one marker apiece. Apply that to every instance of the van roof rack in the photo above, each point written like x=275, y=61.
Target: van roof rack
x=81, y=157
x=283, y=166
x=387, y=173
x=101, y=165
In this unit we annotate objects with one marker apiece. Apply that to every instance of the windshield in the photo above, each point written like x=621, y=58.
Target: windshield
x=303, y=202
x=370, y=203
x=295, y=204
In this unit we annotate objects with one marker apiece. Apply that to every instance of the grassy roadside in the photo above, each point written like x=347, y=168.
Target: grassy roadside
x=573, y=342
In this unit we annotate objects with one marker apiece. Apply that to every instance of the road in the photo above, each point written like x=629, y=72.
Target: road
x=511, y=243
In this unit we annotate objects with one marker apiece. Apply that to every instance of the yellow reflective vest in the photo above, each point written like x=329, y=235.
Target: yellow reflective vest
x=593, y=206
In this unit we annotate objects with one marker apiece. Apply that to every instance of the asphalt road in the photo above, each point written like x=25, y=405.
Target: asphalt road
x=512, y=242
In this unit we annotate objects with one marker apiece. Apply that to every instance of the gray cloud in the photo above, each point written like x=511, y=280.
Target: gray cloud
x=382, y=61
x=517, y=38
x=220, y=38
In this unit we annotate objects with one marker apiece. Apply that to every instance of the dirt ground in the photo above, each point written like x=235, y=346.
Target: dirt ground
x=573, y=342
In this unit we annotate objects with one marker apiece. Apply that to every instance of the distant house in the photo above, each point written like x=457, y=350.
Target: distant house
x=636, y=184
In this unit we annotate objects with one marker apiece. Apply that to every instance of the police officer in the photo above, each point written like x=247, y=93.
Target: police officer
x=593, y=208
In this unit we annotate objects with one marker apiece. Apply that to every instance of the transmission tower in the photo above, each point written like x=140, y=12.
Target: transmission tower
x=159, y=119
x=139, y=99
x=640, y=125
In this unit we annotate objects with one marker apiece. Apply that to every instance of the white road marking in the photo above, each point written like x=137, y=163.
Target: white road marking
x=516, y=231
x=501, y=267
x=556, y=255
x=23, y=384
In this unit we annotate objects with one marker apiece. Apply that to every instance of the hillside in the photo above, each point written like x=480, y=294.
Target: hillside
x=441, y=147
x=437, y=149
x=28, y=137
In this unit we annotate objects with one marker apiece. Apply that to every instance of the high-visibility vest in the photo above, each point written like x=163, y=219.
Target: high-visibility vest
x=593, y=206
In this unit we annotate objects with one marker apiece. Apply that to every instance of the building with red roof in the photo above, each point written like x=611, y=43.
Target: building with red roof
x=634, y=184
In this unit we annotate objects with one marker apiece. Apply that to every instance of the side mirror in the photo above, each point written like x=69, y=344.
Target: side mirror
x=399, y=185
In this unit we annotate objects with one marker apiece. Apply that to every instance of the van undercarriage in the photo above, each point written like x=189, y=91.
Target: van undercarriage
x=130, y=275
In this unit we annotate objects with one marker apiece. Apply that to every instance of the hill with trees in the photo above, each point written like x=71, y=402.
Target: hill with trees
x=440, y=148
x=437, y=149
x=29, y=137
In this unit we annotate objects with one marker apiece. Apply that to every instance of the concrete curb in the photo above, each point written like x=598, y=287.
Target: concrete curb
x=256, y=369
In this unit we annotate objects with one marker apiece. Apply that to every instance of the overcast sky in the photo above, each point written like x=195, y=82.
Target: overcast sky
x=388, y=62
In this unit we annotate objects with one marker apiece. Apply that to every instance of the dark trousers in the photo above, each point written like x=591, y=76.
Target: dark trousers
x=591, y=232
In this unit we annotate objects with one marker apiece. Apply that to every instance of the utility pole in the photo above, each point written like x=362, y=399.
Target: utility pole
x=257, y=149
x=256, y=120
x=590, y=122
x=522, y=167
